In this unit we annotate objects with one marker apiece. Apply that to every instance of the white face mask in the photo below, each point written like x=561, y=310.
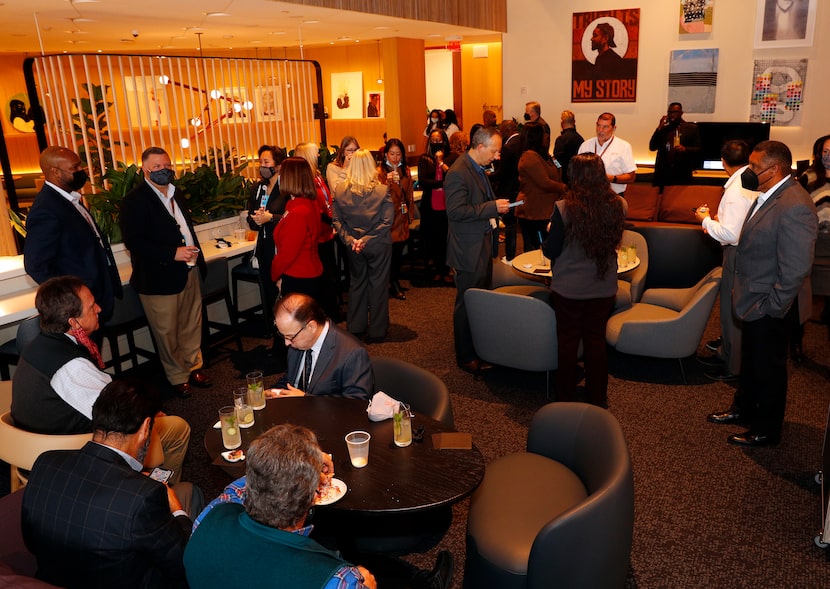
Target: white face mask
x=433, y=120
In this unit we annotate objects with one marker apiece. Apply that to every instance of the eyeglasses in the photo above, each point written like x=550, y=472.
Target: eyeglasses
x=291, y=338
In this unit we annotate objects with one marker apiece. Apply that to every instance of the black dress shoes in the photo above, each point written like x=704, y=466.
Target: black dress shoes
x=475, y=366
x=728, y=416
x=722, y=375
x=753, y=440
x=200, y=379
x=710, y=360
x=182, y=390
x=714, y=344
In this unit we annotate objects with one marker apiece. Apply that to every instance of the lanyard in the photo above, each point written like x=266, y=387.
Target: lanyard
x=604, y=149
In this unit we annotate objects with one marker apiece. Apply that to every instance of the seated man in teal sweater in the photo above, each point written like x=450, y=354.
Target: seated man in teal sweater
x=265, y=543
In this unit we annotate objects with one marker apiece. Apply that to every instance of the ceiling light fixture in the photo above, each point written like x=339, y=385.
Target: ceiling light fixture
x=213, y=14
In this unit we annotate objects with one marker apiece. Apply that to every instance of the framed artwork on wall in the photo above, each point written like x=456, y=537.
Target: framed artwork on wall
x=785, y=23
x=268, y=103
x=696, y=16
x=347, y=95
x=778, y=91
x=376, y=105
x=693, y=79
x=605, y=50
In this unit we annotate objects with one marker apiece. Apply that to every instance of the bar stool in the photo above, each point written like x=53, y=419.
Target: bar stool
x=215, y=289
x=127, y=318
x=244, y=272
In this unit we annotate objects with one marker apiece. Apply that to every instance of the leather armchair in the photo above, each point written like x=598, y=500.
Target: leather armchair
x=560, y=514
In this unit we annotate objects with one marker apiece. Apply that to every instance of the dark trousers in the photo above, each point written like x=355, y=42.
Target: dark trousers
x=369, y=290
x=762, y=392
x=509, y=221
x=397, y=261
x=582, y=319
x=532, y=231
x=481, y=277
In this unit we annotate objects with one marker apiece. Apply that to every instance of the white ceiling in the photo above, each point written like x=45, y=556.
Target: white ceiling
x=127, y=26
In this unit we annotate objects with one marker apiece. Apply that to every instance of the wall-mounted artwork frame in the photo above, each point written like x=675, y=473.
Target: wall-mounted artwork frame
x=268, y=102
x=696, y=16
x=347, y=95
x=785, y=23
x=375, y=105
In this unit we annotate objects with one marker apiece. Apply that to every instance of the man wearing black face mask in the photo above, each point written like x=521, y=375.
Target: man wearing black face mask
x=63, y=239
x=774, y=260
x=164, y=251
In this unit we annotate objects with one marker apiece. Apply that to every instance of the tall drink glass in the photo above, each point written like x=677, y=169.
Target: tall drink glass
x=244, y=412
x=231, y=437
x=402, y=426
x=256, y=390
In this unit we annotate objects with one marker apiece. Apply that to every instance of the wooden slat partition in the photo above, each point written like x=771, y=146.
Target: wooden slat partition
x=490, y=15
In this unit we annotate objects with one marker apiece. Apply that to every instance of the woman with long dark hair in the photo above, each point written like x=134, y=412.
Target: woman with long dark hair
x=432, y=168
x=540, y=186
x=586, y=228
x=395, y=174
x=297, y=264
x=363, y=219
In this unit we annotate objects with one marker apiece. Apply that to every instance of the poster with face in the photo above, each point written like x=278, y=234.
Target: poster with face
x=605, y=49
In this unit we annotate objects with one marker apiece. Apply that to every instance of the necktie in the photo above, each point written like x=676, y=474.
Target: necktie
x=307, y=369
x=752, y=209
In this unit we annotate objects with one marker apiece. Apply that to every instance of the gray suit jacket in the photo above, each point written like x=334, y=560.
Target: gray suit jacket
x=470, y=206
x=343, y=367
x=775, y=255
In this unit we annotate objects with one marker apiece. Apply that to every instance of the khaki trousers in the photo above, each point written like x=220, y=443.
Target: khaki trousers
x=176, y=323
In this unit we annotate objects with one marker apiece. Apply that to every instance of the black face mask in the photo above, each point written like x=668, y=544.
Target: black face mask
x=527, y=117
x=266, y=172
x=79, y=178
x=162, y=177
x=749, y=179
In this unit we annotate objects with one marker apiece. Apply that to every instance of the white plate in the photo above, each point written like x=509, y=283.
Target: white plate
x=336, y=492
x=217, y=425
x=227, y=456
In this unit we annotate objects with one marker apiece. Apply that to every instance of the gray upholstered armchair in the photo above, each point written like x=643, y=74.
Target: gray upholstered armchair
x=631, y=284
x=667, y=323
x=513, y=330
x=560, y=514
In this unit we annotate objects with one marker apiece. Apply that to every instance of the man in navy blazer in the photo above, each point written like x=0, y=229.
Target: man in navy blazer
x=339, y=364
x=472, y=210
x=164, y=252
x=774, y=260
x=92, y=519
x=63, y=238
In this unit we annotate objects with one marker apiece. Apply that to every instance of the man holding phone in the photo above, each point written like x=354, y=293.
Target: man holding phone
x=116, y=527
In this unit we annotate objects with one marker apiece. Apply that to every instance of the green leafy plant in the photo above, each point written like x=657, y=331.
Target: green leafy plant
x=18, y=222
x=212, y=197
x=90, y=117
x=105, y=204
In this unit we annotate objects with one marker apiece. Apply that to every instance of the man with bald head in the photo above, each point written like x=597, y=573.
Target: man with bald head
x=62, y=237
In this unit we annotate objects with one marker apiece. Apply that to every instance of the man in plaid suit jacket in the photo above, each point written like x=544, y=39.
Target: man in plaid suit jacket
x=92, y=519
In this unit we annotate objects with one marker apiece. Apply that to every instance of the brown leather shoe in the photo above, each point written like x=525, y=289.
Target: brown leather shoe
x=182, y=390
x=475, y=366
x=200, y=379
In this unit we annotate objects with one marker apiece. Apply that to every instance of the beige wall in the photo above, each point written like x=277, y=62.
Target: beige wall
x=537, y=55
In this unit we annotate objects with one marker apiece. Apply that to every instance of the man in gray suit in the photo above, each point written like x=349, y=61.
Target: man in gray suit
x=774, y=260
x=472, y=210
x=322, y=358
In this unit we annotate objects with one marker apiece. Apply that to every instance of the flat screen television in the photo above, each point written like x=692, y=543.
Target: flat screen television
x=713, y=135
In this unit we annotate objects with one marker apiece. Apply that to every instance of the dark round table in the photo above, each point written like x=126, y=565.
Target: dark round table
x=396, y=480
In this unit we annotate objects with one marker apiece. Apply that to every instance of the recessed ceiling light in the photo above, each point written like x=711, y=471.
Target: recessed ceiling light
x=211, y=14
x=277, y=32
x=344, y=38
x=81, y=19
x=255, y=42
x=310, y=22
x=381, y=28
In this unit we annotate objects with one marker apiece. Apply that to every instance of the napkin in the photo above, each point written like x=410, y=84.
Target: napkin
x=381, y=406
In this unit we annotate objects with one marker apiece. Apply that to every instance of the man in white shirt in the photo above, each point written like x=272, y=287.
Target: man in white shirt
x=726, y=229
x=616, y=153
x=60, y=374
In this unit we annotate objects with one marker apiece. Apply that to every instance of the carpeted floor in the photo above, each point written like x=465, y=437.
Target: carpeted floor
x=707, y=514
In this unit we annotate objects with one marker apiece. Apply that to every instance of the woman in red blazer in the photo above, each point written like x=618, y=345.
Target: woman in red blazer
x=297, y=262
